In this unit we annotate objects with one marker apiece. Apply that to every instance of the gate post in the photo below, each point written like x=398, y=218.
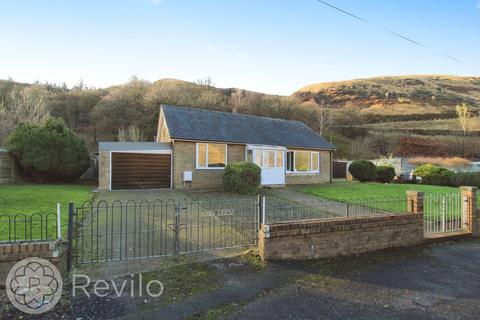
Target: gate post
x=415, y=202
x=71, y=209
x=470, y=214
x=177, y=229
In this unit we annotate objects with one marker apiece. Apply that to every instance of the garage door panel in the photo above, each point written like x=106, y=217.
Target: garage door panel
x=140, y=171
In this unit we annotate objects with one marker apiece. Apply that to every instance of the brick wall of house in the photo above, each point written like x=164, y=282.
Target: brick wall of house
x=104, y=170
x=313, y=178
x=318, y=239
x=184, y=154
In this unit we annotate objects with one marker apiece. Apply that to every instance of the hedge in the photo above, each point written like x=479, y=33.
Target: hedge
x=363, y=170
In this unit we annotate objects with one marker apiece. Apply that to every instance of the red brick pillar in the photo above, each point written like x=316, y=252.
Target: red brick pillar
x=471, y=214
x=415, y=202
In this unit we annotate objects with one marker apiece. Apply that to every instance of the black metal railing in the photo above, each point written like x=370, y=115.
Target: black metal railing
x=27, y=227
x=330, y=209
x=144, y=229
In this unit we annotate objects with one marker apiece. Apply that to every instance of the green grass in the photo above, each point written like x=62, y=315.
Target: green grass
x=351, y=191
x=29, y=199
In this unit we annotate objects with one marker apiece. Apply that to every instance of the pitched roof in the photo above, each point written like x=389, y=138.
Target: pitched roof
x=199, y=124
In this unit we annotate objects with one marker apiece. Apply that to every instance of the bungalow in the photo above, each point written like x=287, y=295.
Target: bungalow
x=194, y=145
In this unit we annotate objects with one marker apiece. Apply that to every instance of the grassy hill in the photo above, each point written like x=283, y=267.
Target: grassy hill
x=402, y=97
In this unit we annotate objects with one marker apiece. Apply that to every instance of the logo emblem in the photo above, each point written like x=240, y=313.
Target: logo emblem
x=34, y=285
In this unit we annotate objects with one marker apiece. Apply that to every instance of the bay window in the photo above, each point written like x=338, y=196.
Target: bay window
x=211, y=155
x=303, y=161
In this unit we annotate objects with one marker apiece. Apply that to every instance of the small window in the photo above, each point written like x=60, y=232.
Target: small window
x=258, y=157
x=315, y=161
x=211, y=155
x=279, y=159
x=268, y=159
x=302, y=161
x=249, y=155
x=290, y=161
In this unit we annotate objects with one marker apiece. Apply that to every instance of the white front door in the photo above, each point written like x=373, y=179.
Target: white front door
x=272, y=162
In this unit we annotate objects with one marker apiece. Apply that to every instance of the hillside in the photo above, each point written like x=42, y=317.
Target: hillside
x=397, y=98
x=365, y=118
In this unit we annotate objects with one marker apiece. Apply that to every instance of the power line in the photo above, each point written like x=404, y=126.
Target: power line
x=343, y=11
x=396, y=34
x=408, y=39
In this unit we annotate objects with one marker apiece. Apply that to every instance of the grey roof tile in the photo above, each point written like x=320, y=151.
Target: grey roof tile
x=199, y=124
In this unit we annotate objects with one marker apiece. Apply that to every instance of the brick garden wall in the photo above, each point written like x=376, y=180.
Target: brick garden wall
x=184, y=154
x=10, y=254
x=318, y=239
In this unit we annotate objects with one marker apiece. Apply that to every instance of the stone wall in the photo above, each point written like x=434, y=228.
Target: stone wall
x=305, y=240
x=104, y=170
x=10, y=254
x=313, y=178
x=184, y=154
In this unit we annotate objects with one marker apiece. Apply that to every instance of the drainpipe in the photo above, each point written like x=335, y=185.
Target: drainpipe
x=331, y=166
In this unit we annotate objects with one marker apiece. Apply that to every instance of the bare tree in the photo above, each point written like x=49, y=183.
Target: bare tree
x=26, y=105
x=323, y=117
x=464, y=114
x=131, y=134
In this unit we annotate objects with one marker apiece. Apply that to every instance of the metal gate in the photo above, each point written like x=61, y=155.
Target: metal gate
x=445, y=213
x=138, y=230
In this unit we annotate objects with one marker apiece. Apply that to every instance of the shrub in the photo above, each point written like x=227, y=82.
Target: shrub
x=442, y=178
x=49, y=152
x=431, y=174
x=241, y=177
x=385, y=174
x=363, y=170
x=465, y=179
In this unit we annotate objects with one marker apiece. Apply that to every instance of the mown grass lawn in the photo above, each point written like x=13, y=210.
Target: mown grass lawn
x=351, y=191
x=28, y=199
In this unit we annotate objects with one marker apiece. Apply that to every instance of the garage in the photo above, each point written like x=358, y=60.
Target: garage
x=139, y=165
x=140, y=171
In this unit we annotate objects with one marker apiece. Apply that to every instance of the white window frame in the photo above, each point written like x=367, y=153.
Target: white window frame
x=311, y=162
x=198, y=167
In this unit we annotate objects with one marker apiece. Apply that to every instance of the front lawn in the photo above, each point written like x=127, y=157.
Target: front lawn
x=37, y=198
x=351, y=191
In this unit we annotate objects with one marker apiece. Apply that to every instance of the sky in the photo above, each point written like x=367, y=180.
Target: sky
x=272, y=46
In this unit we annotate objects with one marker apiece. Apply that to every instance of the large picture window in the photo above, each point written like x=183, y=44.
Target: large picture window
x=211, y=155
x=303, y=161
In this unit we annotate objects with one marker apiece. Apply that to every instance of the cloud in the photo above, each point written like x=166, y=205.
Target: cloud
x=155, y=2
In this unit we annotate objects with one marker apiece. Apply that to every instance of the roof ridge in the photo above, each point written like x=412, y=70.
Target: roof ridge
x=232, y=113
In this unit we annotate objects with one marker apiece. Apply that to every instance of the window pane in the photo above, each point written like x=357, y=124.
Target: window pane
x=202, y=155
x=314, y=161
x=258, y=157
x=290, y=161
x=302, y=161
x=216, y=155
x=268, y=159
x=279, y=159
x=249, y=155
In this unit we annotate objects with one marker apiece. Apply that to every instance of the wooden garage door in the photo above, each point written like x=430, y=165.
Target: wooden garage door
x=140, y=171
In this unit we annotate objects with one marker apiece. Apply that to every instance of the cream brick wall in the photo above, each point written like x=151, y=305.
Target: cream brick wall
x=184, y=154
x=313, y=178
x=104, y=170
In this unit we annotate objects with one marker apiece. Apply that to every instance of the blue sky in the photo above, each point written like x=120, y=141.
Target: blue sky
x=262, y=45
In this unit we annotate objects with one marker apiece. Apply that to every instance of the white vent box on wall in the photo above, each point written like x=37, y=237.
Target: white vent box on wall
x=187, y=176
